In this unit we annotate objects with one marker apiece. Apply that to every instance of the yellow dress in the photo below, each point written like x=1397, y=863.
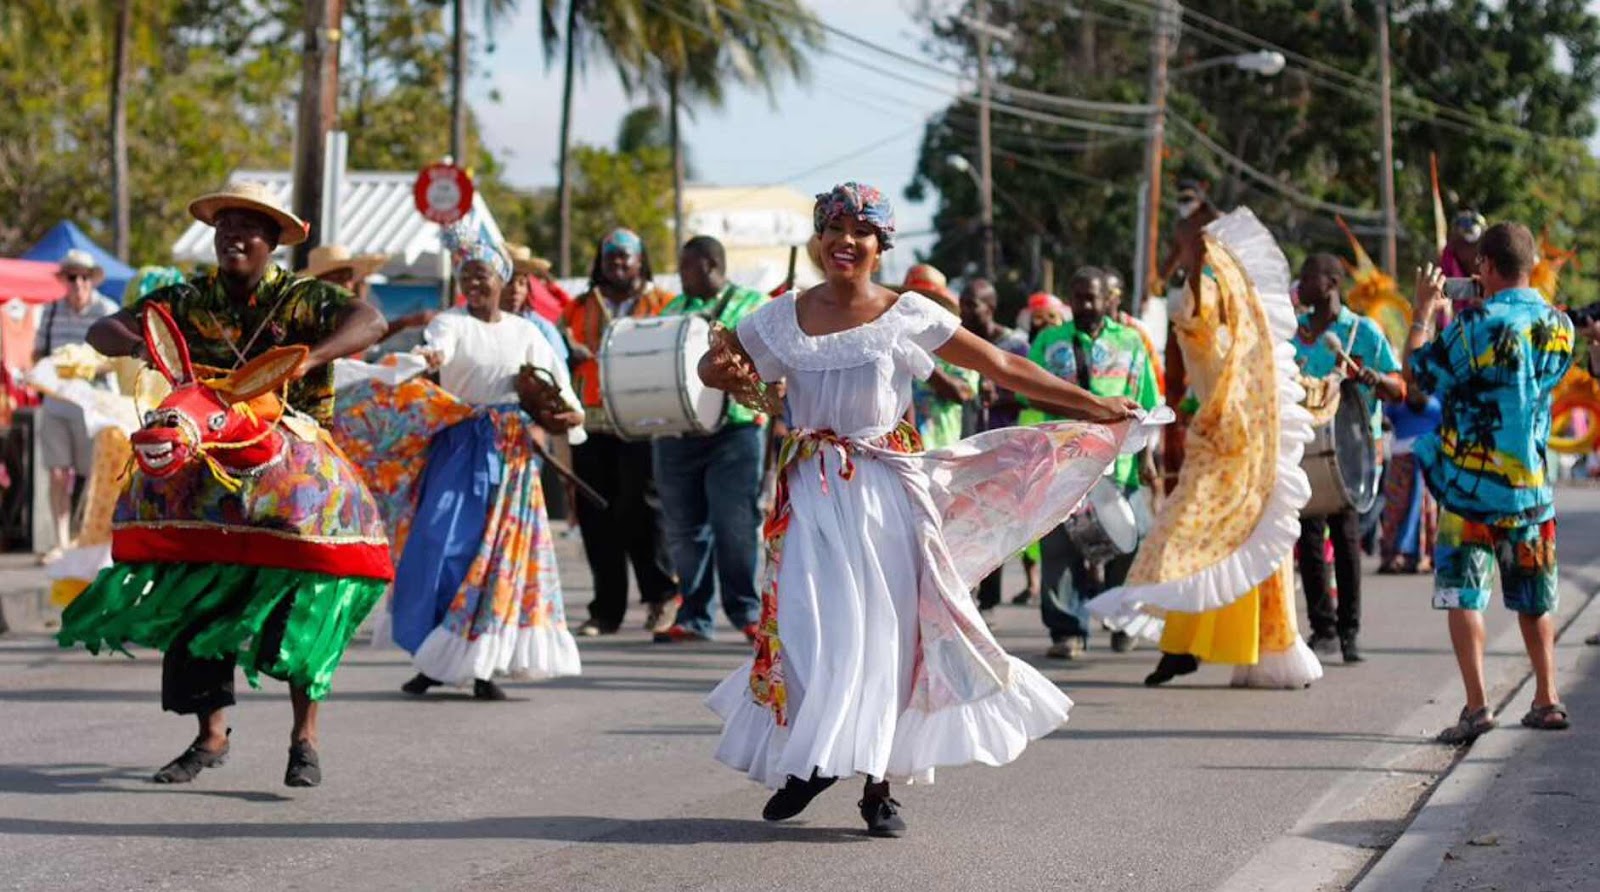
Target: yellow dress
x=1217, y=566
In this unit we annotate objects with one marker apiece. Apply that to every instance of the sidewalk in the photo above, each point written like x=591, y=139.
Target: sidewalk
x=1537, y=828
x=1517, y=812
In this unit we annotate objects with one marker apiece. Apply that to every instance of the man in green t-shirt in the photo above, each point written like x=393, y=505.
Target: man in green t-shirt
x=1106, y=358
x=711, y=485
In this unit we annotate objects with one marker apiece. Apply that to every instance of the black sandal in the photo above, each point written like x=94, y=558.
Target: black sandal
x=188, y=766
x=795, y=796
x=305, y=769
x=1553, y=717
x=1171, y=666
x=1469, y=727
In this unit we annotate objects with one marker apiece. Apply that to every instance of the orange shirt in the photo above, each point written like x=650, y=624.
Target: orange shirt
x=585, y=320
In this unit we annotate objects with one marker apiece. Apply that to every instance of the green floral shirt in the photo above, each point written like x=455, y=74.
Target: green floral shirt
x=285, y=310
x=741, y=302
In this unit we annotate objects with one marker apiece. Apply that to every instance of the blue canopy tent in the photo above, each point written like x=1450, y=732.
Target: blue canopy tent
x=66, y=236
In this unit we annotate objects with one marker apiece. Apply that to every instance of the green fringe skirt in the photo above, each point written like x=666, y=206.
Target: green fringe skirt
x=225, y=608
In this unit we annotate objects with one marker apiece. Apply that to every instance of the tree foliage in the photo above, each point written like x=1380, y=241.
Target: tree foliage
x=1501, y=91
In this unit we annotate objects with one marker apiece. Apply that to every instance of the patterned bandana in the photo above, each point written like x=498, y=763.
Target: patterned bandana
x=622, y=241
x=467, y=241
x=857, y=201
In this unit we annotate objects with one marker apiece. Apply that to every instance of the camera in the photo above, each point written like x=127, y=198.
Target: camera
x=1584, y=315
x=1463, y=288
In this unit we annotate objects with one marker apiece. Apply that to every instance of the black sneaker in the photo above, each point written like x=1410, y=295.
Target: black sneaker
x=1323, y=645
x=882, y=813
x=1171, y=666
x=190, y=763
x=1348, y=649
x=487, y=690
x=305, y=769
x=795, y=796
x=418, y=686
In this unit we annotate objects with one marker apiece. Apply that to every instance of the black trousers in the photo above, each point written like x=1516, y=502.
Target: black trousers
x=1345, y=530
x=989, y=589
x=193, y=685
x=628, y=531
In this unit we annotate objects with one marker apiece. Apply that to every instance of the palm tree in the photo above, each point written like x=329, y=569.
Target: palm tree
x=685, y=49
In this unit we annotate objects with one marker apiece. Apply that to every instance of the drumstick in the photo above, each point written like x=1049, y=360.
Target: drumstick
x=1331, y=341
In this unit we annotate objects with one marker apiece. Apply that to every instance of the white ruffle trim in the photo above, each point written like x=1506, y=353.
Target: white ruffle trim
x=992, y=731
x=83, y=562
x=1273, y=540
x=1294, y=668
x=534, y=652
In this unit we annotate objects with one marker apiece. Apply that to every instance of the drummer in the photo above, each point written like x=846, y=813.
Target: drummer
x=1364, y=355
x=629, y=530
x=1108, y=359
x=711, y=485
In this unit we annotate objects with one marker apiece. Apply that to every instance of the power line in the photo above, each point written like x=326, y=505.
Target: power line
x=1269, y=181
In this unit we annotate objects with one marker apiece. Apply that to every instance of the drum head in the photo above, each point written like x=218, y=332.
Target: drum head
x=1115, y=515
x=704, y=404
x=1355, y=451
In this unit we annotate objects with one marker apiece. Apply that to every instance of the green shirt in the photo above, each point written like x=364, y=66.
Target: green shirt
x=285, y=310
x=740, y=302
x=1119, y=365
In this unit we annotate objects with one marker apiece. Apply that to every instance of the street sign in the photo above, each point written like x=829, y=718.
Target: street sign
x=443, y=193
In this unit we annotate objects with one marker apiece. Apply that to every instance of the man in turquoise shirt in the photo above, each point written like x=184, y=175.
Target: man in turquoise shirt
x=1362, y=341
x=711, y=486
x=1107, y=359
x=1493, y=370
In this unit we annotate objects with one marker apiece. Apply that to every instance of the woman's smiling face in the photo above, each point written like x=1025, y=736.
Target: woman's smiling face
x=850, y=248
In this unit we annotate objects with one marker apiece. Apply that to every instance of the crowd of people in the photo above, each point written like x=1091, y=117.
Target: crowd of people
x=885, y=453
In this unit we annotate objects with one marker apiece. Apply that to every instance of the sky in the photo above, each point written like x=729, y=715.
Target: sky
x=842, y=123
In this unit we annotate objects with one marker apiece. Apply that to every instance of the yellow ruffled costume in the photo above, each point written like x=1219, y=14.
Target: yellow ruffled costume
x=1217, y=566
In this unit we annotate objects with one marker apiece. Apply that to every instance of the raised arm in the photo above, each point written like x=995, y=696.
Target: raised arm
x=1043, y=390
x=360, y=326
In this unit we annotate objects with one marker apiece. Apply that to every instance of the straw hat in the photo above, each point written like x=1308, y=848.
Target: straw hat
x=927, y=280
x=79, y=260
x=251, y=197
x=327, y=258
x=523, y=261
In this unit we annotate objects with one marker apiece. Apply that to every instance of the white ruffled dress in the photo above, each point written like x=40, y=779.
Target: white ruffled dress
x=887, y=668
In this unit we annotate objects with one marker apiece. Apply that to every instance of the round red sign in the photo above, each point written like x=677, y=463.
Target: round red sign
x=443, y=193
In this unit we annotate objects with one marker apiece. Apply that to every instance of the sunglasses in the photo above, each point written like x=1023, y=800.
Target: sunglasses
x=76, y=277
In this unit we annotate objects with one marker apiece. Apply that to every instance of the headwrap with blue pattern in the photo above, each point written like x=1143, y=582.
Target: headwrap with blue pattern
x=468, y=241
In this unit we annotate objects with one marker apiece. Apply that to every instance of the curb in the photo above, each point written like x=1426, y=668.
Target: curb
x=1441, y=822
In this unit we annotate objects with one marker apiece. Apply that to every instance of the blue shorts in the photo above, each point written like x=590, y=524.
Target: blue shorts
x=1468, y=554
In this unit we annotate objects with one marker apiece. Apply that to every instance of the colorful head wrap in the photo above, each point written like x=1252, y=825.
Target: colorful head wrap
x=1470, y=224
x=468, y=241
x=622, y=241
x=857, y=201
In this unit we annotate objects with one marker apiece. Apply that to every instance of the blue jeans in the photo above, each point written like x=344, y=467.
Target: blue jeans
x=710, y=498
x=1066, y=581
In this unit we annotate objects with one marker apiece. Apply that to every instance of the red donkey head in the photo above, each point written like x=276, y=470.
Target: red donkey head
x=213, y=420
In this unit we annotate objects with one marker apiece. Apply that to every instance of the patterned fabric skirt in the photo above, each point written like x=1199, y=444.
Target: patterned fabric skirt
x=477, y=592
x=1410, y=515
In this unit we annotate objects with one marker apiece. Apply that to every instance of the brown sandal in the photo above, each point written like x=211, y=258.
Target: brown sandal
x=1551, y=717
x=1468, y=728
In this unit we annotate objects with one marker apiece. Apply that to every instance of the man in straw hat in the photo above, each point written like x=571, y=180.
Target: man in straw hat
x=335, y=265
x=245, y=307
x=63, y=436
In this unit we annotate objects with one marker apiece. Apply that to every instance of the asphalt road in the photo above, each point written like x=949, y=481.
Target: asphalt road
x=606, y=782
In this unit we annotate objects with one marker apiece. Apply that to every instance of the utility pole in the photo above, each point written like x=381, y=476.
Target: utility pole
x=563, y=175
x=120, y=217
x=1386, y=143
x=1148, y=238
x=318, y=114
x=458, y=85
x=985, y=155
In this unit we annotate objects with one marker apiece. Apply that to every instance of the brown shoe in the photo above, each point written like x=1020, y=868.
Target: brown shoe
x=662, y=614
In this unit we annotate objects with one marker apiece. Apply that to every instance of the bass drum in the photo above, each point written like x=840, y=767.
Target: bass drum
x=1341, y=461
x=1104, y=527
x=649, y=378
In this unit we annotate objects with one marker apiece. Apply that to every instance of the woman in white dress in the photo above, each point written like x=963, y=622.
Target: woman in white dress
x=872, y=658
